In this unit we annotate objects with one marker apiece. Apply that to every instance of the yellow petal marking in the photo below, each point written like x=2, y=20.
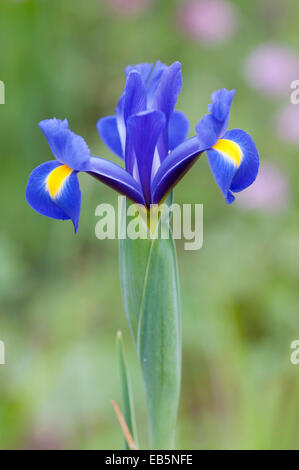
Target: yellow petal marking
x=56, y=179
x=230, y=149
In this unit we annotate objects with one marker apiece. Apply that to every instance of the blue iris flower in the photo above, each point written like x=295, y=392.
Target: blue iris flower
x=149, y=135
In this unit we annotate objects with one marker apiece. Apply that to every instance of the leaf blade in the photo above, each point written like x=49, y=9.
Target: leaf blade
x=128, y=406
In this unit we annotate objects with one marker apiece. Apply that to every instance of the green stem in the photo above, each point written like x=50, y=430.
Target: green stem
x=151, y=299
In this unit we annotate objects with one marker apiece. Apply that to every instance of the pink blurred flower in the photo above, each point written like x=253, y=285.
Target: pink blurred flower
x=128, y=7
x=269, y=193
x=208, y=21
x=287, y=124
x=271, y=68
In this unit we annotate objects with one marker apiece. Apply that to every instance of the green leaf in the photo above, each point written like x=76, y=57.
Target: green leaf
x=128, y=408
x=133, y=263
x=159, y=342
x=151, y=299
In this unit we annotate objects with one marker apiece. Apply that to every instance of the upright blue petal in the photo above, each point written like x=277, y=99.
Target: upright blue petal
x=153, y=83
x=221, y=104
x=144, y=69
x=151, y=76
x=144, y=130
x=173, y=168
x=234, y=162
x=67, y=147
x=53, y=190
x=165, y=100
x=213, y=126
x=178, y=129
x=55, y=132
x=120, y=122
x=108, y=131
x=114, y=176
x=169, y=89
x=132, y=101
x=134, y=95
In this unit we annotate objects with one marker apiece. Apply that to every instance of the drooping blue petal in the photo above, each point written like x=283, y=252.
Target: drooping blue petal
x=132, y=101
x=165, y=100
x=114, y=176
x=144, y=130
x=108, y=131
x=173, y=168
x=213, y=126
x=53, y=190
x=234, y=162
x=223, y=169
x=178, y=129
x=248, y=169
x=67, y=147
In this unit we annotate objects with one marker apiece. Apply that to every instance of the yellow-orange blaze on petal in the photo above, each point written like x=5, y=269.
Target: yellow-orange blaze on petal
x=56, y=179
x=230, y=149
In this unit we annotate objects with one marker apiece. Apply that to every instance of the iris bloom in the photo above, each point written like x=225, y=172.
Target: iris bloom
x=149, y=135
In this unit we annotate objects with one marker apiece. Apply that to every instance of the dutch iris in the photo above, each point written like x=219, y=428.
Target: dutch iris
x=149, y=135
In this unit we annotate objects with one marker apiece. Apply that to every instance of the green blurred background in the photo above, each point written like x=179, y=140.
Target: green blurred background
x=60, y=298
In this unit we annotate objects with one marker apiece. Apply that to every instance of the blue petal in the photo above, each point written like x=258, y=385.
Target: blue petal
x=173, y=168
x=67, y=147
x=248, y=170
x=144, y=70
x=120, y=122
x=64, y=204
x=134, y=95
x=223, y=170
x=114, y=176
x=150, y=77
x=178, y=129
x=107, y=129
x=144, y=130
x=153, y=83
x=132, y=101
x=165, y=100
x=222, y=100
x=234, y=161
x=213, y=126
x=169, y=89
x=55, y=132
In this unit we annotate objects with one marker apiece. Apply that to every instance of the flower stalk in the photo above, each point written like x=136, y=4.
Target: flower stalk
x=151, y=300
